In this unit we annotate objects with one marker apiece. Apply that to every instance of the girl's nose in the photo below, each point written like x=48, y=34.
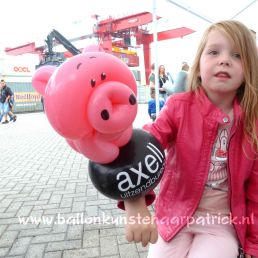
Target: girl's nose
x=225, y=63
x=225, y=60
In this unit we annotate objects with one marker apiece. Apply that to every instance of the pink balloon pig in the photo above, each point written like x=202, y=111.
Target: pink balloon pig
x=91, y=101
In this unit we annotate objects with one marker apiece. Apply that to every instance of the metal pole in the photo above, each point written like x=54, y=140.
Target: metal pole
x=243, y=9
x=190, y=11
x=155, y=43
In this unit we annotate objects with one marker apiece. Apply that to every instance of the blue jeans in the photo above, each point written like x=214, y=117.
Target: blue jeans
x=163, y=96
x=4, y=109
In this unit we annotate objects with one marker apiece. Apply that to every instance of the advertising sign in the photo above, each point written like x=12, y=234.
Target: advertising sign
x=17, y=71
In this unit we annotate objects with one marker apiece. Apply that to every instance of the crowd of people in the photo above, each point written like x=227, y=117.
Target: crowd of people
x=167, y=86
x=6, y=104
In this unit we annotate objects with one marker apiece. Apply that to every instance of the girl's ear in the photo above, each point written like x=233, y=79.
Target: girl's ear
x=41, y=78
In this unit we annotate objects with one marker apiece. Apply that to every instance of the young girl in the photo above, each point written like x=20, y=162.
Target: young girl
x=208, y=201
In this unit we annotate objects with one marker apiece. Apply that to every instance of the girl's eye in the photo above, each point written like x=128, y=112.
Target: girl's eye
x=213, y=52
x=237, y=55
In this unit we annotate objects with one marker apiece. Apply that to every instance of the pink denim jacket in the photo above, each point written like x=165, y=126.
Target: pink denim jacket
x=187, y=128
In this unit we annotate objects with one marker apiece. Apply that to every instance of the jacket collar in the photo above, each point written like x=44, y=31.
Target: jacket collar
x=208, y=109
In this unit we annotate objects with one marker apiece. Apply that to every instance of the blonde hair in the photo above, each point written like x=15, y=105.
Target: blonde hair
x=242, y=38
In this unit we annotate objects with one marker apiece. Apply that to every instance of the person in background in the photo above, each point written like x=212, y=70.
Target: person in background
x=5, y=95
x=208, y=197
x=152, y=77
x=163, y=78
x=152, y=105
x=10, y=113
x=181, y=79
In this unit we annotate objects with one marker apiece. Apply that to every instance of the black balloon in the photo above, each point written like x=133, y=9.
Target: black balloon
x=138, y=168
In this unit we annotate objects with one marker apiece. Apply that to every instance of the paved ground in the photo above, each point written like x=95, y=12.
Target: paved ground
x=44, y=180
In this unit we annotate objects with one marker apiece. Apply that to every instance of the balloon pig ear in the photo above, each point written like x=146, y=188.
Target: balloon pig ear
x=41, y=78
x=93, y=48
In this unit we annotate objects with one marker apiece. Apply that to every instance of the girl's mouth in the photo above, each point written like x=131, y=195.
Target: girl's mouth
x=222, y=75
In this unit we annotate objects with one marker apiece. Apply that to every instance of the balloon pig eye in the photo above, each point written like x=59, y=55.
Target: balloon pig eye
x=132, y=99
x=104, y=114
x=92, y=82
x=103, y=76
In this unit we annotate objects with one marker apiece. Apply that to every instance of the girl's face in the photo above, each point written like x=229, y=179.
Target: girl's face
x=221, y=68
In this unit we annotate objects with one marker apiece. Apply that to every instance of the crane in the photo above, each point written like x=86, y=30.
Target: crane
x=51, y=57
x=113, y=35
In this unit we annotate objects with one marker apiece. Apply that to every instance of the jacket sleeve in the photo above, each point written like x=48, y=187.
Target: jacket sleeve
x=149, y=199
x=163, y=129
x=251, y=242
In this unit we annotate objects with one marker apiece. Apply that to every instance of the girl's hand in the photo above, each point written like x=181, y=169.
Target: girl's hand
x=247, y=256
x=140, y=226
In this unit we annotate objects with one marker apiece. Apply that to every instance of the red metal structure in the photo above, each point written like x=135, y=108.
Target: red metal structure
x=114, y=36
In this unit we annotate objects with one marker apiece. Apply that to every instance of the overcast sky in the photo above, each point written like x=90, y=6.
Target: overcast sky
x=24, y=21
